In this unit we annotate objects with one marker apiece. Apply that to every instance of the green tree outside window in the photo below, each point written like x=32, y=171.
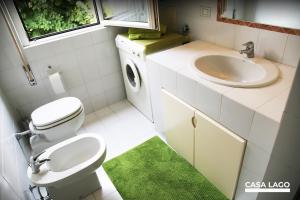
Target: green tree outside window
x=42, y=17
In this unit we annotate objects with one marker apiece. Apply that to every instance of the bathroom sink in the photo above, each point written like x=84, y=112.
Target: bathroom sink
x=236, y=71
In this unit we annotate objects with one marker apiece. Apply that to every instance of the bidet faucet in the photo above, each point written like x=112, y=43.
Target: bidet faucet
x=35, y=163
x=249, y=51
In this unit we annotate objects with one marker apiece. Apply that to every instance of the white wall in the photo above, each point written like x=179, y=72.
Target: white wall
x=275, y=46
x=284, y=163
x=13, y=179
x=89, y=64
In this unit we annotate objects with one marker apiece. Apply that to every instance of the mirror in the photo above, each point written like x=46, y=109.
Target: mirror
x=275, y=15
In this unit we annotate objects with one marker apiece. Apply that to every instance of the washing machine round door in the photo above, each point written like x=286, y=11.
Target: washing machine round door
x=132, y=76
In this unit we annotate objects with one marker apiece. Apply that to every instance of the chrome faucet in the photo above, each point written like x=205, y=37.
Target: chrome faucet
x=35, y=163
x=249, y=51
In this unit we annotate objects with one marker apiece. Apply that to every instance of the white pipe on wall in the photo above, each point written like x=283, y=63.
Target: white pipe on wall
x=16, y=40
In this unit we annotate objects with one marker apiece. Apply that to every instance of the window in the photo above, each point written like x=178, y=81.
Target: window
x=42, y=18
x=125, y=10
x=36, y=19
x=130, y=13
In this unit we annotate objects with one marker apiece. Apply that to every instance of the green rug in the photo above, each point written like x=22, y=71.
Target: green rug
x=153, y=171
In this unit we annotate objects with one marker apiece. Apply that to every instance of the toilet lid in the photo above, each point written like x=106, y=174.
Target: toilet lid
x=55, y=111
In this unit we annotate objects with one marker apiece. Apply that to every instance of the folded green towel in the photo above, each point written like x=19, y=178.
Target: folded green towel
x=163, y=30
x=140, y=36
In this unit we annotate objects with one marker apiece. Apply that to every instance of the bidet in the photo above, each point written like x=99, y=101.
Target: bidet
x=70, y=169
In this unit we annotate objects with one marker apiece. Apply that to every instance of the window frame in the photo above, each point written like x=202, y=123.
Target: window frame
x=60, y=32
x=153, y=23
x=153, y=18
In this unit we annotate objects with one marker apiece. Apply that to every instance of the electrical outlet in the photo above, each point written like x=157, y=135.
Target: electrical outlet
x=205, y=11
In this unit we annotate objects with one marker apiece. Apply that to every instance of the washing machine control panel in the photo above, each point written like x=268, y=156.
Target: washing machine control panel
x=130, y=47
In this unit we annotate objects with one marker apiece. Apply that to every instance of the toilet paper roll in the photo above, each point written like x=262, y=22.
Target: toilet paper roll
x=57, y=83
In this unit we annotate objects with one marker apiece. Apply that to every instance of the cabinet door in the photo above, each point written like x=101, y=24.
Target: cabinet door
x=178, y=126
x=129, y=13
x=218, y=154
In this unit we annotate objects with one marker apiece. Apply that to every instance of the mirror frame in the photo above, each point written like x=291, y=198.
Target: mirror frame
x=253, y=24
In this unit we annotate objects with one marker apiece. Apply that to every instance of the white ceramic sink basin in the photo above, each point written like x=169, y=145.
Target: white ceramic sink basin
x=236, y=71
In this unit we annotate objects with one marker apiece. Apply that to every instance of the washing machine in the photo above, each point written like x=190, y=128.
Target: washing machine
x=133, y=54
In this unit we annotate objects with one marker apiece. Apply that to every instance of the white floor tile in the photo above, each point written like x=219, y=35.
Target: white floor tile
x=107, y=186
x=122, y=127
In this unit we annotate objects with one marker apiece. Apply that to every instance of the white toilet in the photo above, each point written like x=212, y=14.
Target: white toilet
x=55, y=122
x=70, y=173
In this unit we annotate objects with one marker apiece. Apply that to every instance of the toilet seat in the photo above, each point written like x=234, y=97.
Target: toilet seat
x=56, y=112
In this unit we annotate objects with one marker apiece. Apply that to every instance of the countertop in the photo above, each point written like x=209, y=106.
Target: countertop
x=269, y=100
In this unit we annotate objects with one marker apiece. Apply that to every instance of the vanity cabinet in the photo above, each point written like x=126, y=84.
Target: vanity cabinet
x=218, y=153
x=178, y=126
x=211, y=148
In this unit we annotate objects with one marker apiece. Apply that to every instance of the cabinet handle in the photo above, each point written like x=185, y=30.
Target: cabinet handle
x=194, y=121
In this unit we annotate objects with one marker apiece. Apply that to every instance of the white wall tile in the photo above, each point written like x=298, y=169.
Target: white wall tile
x=225, y=34
x=245, y=34
x=279, y=103
x=109, y=65
x=236, y=117
x=292, y=106
x=79, y=92
x=188, y=12
x=95, y=87
x=168, y=79
x=186, y=88
x=263, y=132
x=291, y=54
x=105, y=49
x=115, y=94
x=208, y=101
x=71, y=77
x=40, y=67
x=271, y=45
x=12, y=78
x=113, y=81
x=256, y=160
x=90, y=71
x=99, y=35
x=80, y=41
x=99, y=101
x=207, y=33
